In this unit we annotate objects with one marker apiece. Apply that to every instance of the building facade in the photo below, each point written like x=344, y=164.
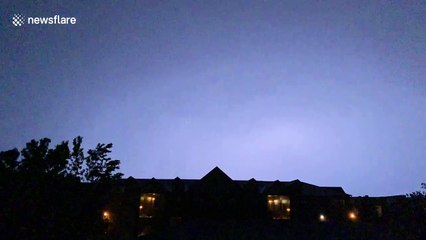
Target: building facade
x=217, y=196
x=147, y=203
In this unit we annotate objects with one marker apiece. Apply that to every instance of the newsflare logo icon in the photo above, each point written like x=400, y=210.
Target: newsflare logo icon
x=18, y=20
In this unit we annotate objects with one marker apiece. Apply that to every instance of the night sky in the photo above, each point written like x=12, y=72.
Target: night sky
x=329, y=92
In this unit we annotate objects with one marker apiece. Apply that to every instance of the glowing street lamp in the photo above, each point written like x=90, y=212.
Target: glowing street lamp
x=352, y=216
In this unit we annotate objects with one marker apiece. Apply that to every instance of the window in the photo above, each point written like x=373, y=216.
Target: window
x=149, y=204
x=279, y=206
x=379, y=211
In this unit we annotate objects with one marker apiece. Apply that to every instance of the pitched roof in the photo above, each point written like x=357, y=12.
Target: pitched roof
x=216, y=174
x=217, y=180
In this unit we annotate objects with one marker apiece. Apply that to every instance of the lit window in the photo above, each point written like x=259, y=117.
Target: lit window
x=279, y=206
x=149, y=204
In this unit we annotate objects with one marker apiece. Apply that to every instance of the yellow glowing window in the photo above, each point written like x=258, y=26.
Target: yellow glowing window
x=279, y=206
x=149, y=204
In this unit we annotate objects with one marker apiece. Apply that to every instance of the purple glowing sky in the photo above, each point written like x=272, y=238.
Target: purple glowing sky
x=331, y=93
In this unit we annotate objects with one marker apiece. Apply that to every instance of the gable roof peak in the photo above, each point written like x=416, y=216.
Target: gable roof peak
x=216, y=173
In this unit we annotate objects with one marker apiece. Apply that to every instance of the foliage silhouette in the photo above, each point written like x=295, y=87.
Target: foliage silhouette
x=75, y=165
x=100, y=166
x=55, y=193
x=9, y=160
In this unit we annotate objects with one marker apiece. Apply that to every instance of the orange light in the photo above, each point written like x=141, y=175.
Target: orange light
x=288, y=209
x=321, y=217
x=352, y=215
x=140, y=207
x=106, y=216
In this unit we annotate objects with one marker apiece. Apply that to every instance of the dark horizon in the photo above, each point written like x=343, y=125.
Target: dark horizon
x=331, y=93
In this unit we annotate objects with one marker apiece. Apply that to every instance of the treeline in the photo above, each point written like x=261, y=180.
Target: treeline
x=56, y=192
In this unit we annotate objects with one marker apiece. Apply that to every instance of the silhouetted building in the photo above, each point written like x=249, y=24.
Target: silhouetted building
x=151, y=204
x=217, y=196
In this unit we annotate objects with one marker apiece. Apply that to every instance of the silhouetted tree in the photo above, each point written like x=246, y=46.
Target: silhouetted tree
x=43, y=192
x=100, y=166
x=9, y=160
x=76, y=163
x=418, y=194
x=411, y=215
x=33, y=156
